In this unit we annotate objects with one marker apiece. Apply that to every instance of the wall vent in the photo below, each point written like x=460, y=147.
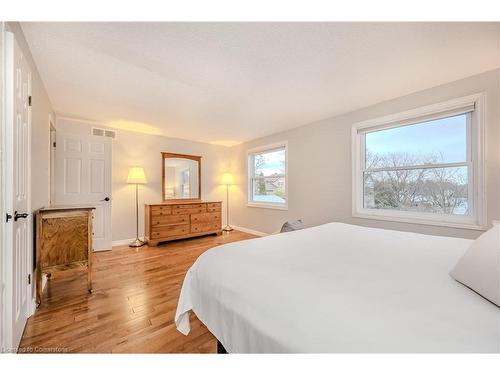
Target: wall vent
x=110, y=133
x=104, y=133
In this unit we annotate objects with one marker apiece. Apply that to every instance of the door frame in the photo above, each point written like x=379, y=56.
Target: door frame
x=3, y=256
x=52, y=158
x=6, y=194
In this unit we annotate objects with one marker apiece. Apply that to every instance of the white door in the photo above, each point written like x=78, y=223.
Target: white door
x=17, y=184
x=83, y=176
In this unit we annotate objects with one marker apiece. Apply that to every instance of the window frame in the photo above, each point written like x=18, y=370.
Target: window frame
x=475, y=163
x=250, y=175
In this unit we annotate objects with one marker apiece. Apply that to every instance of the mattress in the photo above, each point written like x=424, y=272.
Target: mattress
x=338, y=288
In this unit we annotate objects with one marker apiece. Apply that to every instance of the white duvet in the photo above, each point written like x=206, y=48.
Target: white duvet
x=338, y=288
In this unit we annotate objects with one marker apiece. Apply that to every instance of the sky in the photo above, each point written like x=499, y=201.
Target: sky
x=274, y=162
x=444, y=136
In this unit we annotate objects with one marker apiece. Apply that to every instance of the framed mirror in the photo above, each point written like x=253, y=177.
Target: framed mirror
x=181, y=177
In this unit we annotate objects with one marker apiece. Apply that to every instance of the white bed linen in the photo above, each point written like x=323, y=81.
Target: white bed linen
x=338, y=288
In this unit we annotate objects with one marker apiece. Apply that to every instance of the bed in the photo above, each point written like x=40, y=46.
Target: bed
x=338, y=288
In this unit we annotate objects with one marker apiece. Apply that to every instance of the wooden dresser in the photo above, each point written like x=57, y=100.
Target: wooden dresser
x=172, y=221
x=63, y=241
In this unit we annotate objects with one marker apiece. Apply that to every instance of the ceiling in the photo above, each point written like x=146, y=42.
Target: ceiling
x=227, y=83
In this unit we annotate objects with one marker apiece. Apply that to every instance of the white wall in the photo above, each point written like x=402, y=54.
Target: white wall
x=319, y=164
x=136, y=149
x=321, y=146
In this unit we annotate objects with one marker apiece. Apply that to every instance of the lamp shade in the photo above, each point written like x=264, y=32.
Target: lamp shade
x=227, y=179
x=136, y=176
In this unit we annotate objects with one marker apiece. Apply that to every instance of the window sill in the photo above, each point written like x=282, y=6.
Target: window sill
x=439, y=221
x=268, y=205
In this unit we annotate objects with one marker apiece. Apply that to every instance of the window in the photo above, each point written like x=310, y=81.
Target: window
x=267, y=176
x=422, y=166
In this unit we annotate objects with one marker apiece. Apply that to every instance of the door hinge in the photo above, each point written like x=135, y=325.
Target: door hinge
x=29, y=279
x=54, y=144
x=29, y=100
x=7, y=217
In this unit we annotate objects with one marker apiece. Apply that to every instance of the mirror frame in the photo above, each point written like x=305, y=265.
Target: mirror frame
x=169, y=155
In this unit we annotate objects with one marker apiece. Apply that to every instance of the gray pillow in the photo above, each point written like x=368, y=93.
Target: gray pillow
x=290, y=226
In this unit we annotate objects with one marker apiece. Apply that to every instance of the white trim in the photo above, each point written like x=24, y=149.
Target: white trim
x=432, y=111
x=273, y=206
x=78, y=119
x=8, y=176
x=8, y=62
x=477, y=152
x=52, y=159
x=249, y=231
x=418, y=166
x=421, y=218
x=3, y=255
x=30, y=295
x=268, y=147
x=122, y=242
x=7, y=144
x=241, y=229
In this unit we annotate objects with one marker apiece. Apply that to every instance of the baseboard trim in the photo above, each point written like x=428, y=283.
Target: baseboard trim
x=250, y=231
x=122, y=242
x=241, y=229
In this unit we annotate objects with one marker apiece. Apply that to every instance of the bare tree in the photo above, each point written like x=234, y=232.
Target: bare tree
x=430, y=189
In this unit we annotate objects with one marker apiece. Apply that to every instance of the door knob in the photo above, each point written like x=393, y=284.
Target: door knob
x=105, y=199
x=20, y=216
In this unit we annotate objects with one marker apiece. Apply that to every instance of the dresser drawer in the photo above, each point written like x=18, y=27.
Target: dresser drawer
x=170, y=231
x=187, y=211
x=202, y=218
x=214, y=207
x=205, y=227
x=169, y=220
x=160, y=210
x=188, y=206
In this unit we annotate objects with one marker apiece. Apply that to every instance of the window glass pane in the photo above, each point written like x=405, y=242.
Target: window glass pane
x=270, y=163
x=268, y=182
x=435, y=190
x=269, y=189
x=432, y=142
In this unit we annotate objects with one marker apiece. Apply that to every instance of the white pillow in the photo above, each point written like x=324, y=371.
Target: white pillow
x=479, y=267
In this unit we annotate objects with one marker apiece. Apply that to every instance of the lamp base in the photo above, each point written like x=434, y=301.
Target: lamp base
x=227, y=228
x=137, y=243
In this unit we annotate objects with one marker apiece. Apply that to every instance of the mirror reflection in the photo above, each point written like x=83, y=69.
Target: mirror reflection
x=181, y=178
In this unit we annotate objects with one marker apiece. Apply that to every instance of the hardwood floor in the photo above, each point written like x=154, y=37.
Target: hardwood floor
x=132, y=307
